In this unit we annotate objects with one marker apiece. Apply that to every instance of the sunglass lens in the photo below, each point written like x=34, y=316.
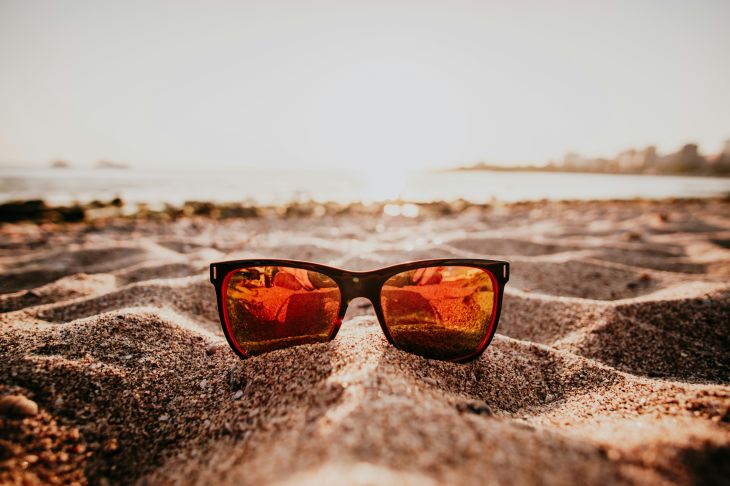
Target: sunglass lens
x=440, y=312
x=272, y=307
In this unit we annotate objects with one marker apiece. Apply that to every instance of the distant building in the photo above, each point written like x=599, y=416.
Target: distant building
x=686, y=161
x=575, y=161
x=650, y=158
x=630, y=161
x=721, y=164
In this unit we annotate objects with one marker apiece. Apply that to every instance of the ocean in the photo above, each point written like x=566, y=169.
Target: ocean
x=272, y=187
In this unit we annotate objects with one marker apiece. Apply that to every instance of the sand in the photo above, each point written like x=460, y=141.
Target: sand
x=611, y=363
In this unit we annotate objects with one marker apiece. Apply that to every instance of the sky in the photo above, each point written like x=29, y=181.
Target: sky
x=368, y=84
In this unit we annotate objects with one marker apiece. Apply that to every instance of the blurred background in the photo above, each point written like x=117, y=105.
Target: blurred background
x=270, y=102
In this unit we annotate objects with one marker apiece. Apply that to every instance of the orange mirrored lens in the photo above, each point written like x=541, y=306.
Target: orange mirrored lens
x=275, y=307
x=439, y=312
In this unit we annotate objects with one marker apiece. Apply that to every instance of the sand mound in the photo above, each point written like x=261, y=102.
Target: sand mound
x=605, y=369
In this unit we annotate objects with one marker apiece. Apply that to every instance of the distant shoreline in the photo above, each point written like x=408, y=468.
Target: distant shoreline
x=561, y=170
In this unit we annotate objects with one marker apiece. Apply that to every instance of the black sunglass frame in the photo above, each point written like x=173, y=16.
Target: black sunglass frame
x=367, y=284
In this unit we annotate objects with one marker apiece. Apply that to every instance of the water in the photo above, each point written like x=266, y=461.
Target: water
x=265, y=187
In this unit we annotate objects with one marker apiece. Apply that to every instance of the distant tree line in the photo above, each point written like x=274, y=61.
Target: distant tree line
x=686, y=161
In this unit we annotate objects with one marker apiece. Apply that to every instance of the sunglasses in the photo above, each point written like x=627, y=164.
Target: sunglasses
x=444, y=309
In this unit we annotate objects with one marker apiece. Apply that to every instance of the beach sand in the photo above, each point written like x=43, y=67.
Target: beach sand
x=611, y=363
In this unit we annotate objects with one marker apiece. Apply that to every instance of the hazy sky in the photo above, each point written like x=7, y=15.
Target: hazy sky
x=373, y=84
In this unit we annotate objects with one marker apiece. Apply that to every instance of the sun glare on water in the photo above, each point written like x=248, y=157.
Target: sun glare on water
x=384, y=184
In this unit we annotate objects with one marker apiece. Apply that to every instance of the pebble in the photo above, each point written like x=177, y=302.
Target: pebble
x=213, y=349
x=111, y=445
x=477, y=407
x=238, y=394
x=18, y=406
x=613, y=455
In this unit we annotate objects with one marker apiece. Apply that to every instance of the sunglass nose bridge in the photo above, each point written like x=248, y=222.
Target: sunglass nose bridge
x=356, y=285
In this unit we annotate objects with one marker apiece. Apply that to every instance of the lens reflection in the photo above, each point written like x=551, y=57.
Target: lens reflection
x=272, y=307
x=439, y=312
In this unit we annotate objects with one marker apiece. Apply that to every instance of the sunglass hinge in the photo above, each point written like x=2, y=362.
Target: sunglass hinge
x=215, y=273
